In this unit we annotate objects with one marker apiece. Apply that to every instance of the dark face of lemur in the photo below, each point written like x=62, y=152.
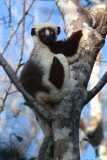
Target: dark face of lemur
x=46, y=35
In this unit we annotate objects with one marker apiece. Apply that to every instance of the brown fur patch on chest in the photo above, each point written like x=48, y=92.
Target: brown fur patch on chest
x=56, y=73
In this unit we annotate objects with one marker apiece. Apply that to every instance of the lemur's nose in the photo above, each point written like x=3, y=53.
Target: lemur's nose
x=47, y=33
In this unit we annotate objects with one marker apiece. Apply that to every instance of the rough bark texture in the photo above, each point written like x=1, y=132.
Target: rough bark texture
x=66, y=133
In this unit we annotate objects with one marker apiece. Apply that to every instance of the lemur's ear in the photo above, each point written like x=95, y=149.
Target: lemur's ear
x=33, y=32
x=58, y=30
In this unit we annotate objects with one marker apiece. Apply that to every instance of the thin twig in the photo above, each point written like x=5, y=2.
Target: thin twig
x=4, y=97
x=100, y=60
x=88, y=3
x=97, y=88
x=12, y=92
x=23, y=31
x=45, y=143
x=20, y=58
x=14, y=31
x=83, y=125
x=9, y=10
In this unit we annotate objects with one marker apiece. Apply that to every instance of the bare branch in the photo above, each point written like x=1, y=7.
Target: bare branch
x=45, y=143
x=83, y=125
x=20, y=58
x=102, y=27
x=100, y=60
x=88, y=3
x=4, y=97
x=23, y=31
x=10, y=16
x=97, y=88
x=97, y=12
x=50, y=15
x=12, y=92
x=14, y=31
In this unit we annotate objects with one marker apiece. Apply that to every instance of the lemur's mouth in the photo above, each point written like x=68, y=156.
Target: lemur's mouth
x=48, y=40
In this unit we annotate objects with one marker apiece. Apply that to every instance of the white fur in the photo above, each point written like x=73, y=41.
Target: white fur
x=45, y=57
x=47, y=32
x=101, y=150
x=45, y=25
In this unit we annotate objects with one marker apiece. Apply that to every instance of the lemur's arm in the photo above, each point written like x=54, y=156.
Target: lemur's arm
x=67, y=47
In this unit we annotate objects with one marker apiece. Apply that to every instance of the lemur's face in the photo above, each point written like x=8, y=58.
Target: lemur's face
x=46, y=33
x=47, y=36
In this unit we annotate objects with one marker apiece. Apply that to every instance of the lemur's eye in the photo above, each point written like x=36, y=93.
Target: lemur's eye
x=42, y=33
x=52, y=32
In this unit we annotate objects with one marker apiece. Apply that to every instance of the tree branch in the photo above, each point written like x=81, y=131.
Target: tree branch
x=97, y=12
x=14, y=31
x=88, y=3
x=20, y=58
x=97, y=88
x=45, y=143
x=100, y=60
x=83, y=125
